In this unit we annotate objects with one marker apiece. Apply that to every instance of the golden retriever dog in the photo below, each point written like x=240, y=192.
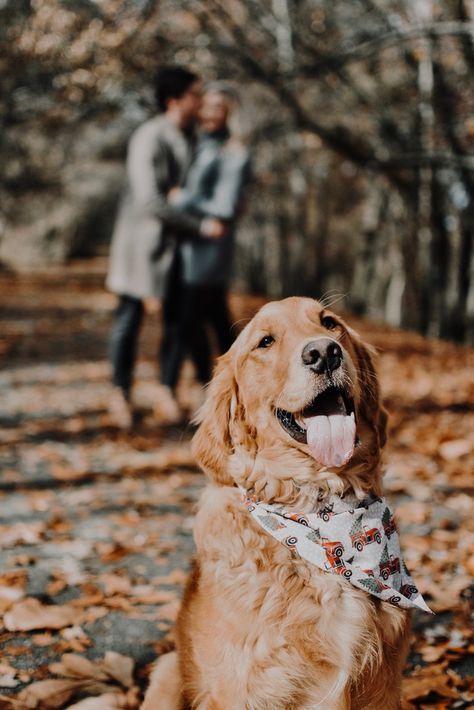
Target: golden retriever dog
x=260, y=628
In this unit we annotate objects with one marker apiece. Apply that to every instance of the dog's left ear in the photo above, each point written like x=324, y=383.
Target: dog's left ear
x=370, y=406
x=212, y=443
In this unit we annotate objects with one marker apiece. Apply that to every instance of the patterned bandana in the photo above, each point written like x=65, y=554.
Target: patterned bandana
x=355, y=539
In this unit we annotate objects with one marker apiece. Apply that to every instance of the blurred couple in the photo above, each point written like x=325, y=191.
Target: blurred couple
x=174, y=236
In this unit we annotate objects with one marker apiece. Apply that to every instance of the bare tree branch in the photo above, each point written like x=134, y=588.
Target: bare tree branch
x=377, y=44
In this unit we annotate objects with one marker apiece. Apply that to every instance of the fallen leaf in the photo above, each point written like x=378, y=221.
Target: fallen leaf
x=16, y=651
x=45, y=639
x=74, y=632
x=66, y=473
x=55, y=587
x=48, y=694
x=418, y=687
x=456, y=448
x=94, y=613
x=413, y=512
x=177, y=576
x=6, y=667
x=11, y=594
x=8, y=676
x=431, y=654
x=107, y=701
x=88, y=600
x=153, y=597
x=74, y=666
x=119, y=668
x=21, y=533
x=115, y=584
x=469, y=565
x=30, y=614
x=168, y=612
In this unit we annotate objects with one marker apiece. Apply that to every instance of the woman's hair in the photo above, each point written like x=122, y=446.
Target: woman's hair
x=235, y=121
x=172, y=81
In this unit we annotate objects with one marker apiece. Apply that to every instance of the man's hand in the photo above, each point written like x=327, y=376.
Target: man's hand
x=152, y=305
x=174, y=195
x=213, y=228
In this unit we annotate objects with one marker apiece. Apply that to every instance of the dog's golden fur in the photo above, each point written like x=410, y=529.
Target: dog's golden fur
x=260, y=629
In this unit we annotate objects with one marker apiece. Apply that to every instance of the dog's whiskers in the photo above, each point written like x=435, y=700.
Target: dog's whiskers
x=236, y=323
x=366, y=374
x=329, y=298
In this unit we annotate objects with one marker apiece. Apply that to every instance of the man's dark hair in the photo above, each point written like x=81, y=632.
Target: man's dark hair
x=171, y=82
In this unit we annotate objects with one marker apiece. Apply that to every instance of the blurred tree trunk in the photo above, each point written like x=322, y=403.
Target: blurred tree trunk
x=424, y=285
x=440, y=258
x=464, y=308
x=410, y=315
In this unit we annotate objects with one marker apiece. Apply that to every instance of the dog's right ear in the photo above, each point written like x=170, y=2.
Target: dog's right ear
x=212, y=443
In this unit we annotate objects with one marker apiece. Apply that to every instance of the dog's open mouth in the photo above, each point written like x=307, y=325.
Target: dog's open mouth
x=327, y=425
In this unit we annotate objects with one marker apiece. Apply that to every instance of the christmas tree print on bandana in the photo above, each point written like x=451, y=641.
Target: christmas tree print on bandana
x=357, y=540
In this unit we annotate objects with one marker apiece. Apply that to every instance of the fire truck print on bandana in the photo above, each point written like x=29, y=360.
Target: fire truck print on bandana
x=355, y=539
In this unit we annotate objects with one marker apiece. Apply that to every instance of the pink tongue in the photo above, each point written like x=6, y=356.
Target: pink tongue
x=331, y=439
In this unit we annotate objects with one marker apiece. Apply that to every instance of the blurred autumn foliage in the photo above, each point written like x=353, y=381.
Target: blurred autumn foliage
x=96, y=524
x=360, y=118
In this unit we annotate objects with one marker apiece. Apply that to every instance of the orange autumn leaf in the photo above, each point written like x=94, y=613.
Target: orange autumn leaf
x=30, y=614
x=48, y=694
x=418, y=687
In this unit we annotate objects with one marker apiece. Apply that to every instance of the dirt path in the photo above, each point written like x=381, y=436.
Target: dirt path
x=96, y=525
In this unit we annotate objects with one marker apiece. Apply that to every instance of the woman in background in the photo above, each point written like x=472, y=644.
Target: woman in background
x=213, y=189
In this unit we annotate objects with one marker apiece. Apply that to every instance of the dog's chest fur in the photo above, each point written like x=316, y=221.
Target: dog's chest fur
x=277, y=618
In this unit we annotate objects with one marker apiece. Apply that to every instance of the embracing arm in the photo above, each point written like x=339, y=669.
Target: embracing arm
x=142, y=154
x=224, y=199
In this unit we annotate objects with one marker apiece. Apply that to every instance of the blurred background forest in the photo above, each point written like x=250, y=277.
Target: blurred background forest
x=361, y=118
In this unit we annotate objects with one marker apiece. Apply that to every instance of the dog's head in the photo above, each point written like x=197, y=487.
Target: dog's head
x=294, y=403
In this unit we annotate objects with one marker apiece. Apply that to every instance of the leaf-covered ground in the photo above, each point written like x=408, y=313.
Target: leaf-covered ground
x=96, y=524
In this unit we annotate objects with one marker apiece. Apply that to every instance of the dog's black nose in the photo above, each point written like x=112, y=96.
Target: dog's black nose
x=322, y=355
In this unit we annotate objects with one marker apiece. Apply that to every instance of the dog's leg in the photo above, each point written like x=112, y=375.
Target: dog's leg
x=164, y=691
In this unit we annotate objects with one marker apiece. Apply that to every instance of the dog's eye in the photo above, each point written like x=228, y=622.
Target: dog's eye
x=266, y=341
x=329, y=322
